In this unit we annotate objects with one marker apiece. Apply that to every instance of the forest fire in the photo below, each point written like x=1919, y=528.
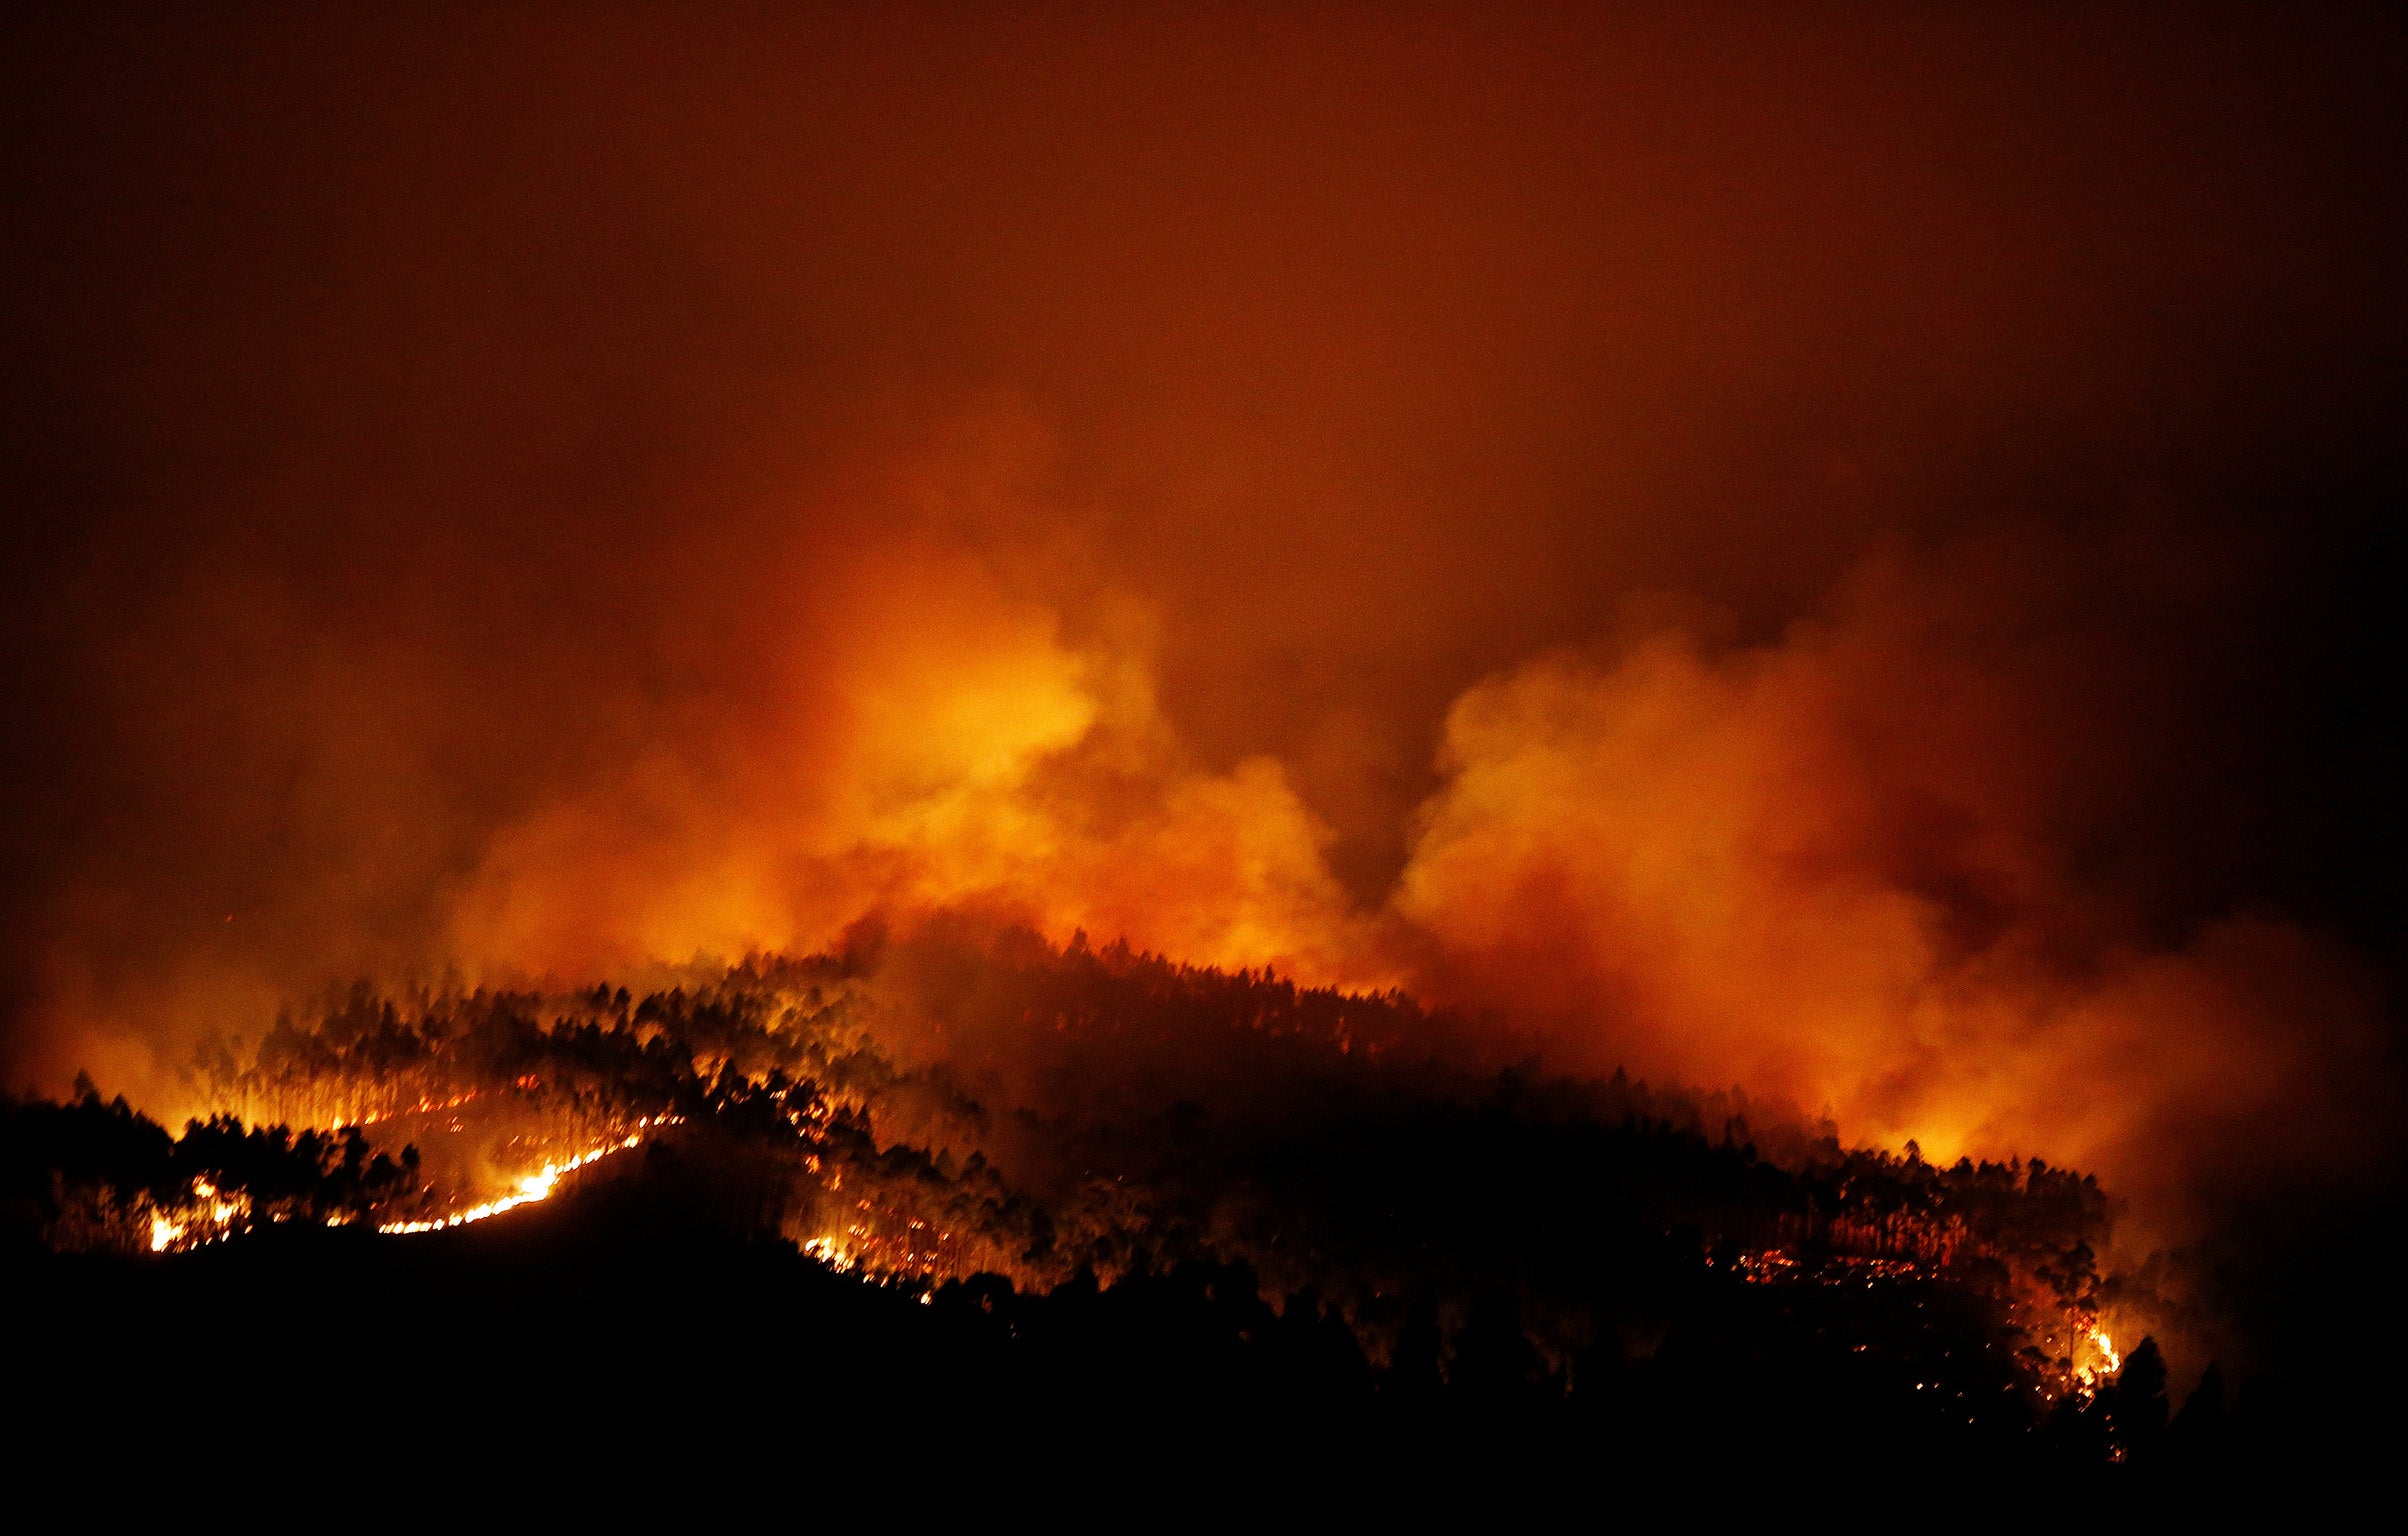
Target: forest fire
x=1655, y=729
x=535, y=1186
x=2100, y=1358
x=1342, y=1152
x=213, y=1217
x=798, y=1084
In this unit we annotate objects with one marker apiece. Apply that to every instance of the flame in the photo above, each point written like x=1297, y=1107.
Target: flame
x=2105, y=1359
x=423, y=1106
x=1725, y=865
x=535, y=1186
x=203, y=1215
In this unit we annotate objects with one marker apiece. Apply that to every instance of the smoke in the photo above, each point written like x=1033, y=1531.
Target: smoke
x=1840, y=559
x=1844, y=867
x=921, y=742
x=1839, y=868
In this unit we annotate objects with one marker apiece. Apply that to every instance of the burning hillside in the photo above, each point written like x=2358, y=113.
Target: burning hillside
x=960, y=1120
x=1670, y=723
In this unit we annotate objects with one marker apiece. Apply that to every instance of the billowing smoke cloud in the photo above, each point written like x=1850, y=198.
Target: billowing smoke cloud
x=1837, y=868
x=1842, y=867
x=923, y=743
x=1840, y=557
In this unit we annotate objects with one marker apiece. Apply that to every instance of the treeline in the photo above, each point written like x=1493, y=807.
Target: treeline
x=623, y=1327
x=983, y=1110
x=87, y=1174
x=951, y=1105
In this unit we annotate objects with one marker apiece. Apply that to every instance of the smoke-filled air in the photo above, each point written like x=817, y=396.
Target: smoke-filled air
x=1483, y=673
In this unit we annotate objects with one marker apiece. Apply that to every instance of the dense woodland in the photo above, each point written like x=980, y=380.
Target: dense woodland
x=1070, y=1187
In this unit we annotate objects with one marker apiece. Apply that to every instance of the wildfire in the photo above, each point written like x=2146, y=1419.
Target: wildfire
x=424, y=1106
x=535, y=1186
x=205, y=1214
x=217, y=1219
x=2105, y=1359
x=784, y=1058
x=835, y=1252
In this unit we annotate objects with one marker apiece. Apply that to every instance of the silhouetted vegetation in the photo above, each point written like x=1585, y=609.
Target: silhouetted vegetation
x=85, y=1174
x=1082, y=1188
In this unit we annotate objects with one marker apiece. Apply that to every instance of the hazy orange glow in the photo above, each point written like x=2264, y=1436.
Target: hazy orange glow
x=1750, y=865
x=1761, y=863
x=925, y=743
x=1795, y=552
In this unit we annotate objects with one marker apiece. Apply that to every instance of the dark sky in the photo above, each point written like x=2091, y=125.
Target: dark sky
x=446, y=457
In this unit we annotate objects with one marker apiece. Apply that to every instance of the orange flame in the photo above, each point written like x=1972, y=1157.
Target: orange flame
x=535, y=1186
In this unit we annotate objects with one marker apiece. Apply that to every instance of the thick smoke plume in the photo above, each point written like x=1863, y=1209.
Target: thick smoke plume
x=1844, y=866
x=1833, y=868
x=1837, y=560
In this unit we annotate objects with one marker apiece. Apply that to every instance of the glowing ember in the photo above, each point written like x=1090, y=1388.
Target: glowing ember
x=424, y=1106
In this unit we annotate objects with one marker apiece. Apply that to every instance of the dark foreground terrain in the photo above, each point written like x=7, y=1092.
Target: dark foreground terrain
x=1331, y=1255
x=612, y=1332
